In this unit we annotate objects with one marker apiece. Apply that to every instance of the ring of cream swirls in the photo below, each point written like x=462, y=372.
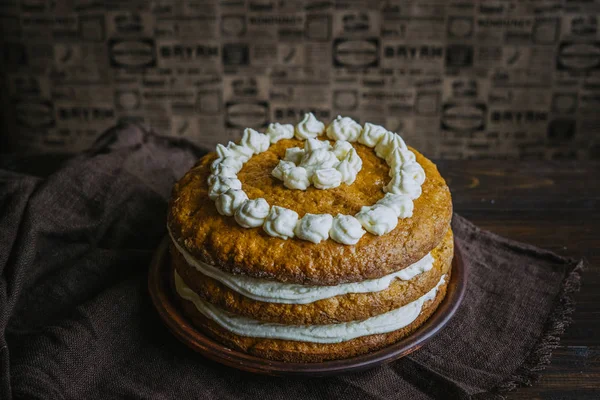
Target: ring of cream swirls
x=325, y=167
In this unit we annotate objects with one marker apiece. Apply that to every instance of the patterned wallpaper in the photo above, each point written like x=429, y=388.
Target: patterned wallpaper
x=458, y=79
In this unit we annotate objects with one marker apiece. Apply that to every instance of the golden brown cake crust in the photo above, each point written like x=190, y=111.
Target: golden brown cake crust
x=220, y=241
x=292, y=351
x=349, y=307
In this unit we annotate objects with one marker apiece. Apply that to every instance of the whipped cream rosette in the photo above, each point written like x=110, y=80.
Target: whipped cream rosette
x=323, y=165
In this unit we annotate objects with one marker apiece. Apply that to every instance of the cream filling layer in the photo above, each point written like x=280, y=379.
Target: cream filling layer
x=286, y=293
x=334, y=333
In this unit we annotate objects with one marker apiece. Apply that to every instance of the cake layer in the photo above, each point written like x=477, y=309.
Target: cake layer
x=330, y=333
x=220, y=241
x=342, y=308
x=305, y=351
x=292, y=293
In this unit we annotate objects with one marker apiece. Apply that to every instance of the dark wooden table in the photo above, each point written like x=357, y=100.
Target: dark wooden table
x=554, y=205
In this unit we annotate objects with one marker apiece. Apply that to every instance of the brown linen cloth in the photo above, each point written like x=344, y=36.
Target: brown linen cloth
x=76, y=321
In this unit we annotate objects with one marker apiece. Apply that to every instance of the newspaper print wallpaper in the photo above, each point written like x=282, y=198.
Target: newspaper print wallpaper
x=458, y=79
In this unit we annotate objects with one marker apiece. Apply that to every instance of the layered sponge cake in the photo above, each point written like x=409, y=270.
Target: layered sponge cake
x=311, y=242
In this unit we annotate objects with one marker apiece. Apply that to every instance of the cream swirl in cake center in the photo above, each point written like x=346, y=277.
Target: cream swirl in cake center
x=319, y=164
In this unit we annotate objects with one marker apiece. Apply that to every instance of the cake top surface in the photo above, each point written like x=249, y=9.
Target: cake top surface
x=240, y=246
x=257, y=181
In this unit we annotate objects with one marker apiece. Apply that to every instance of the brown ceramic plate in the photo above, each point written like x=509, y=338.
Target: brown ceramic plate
x=162, y=296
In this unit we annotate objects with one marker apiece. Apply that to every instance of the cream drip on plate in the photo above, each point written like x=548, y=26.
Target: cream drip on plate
x=287, y=293
x=333, y=333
